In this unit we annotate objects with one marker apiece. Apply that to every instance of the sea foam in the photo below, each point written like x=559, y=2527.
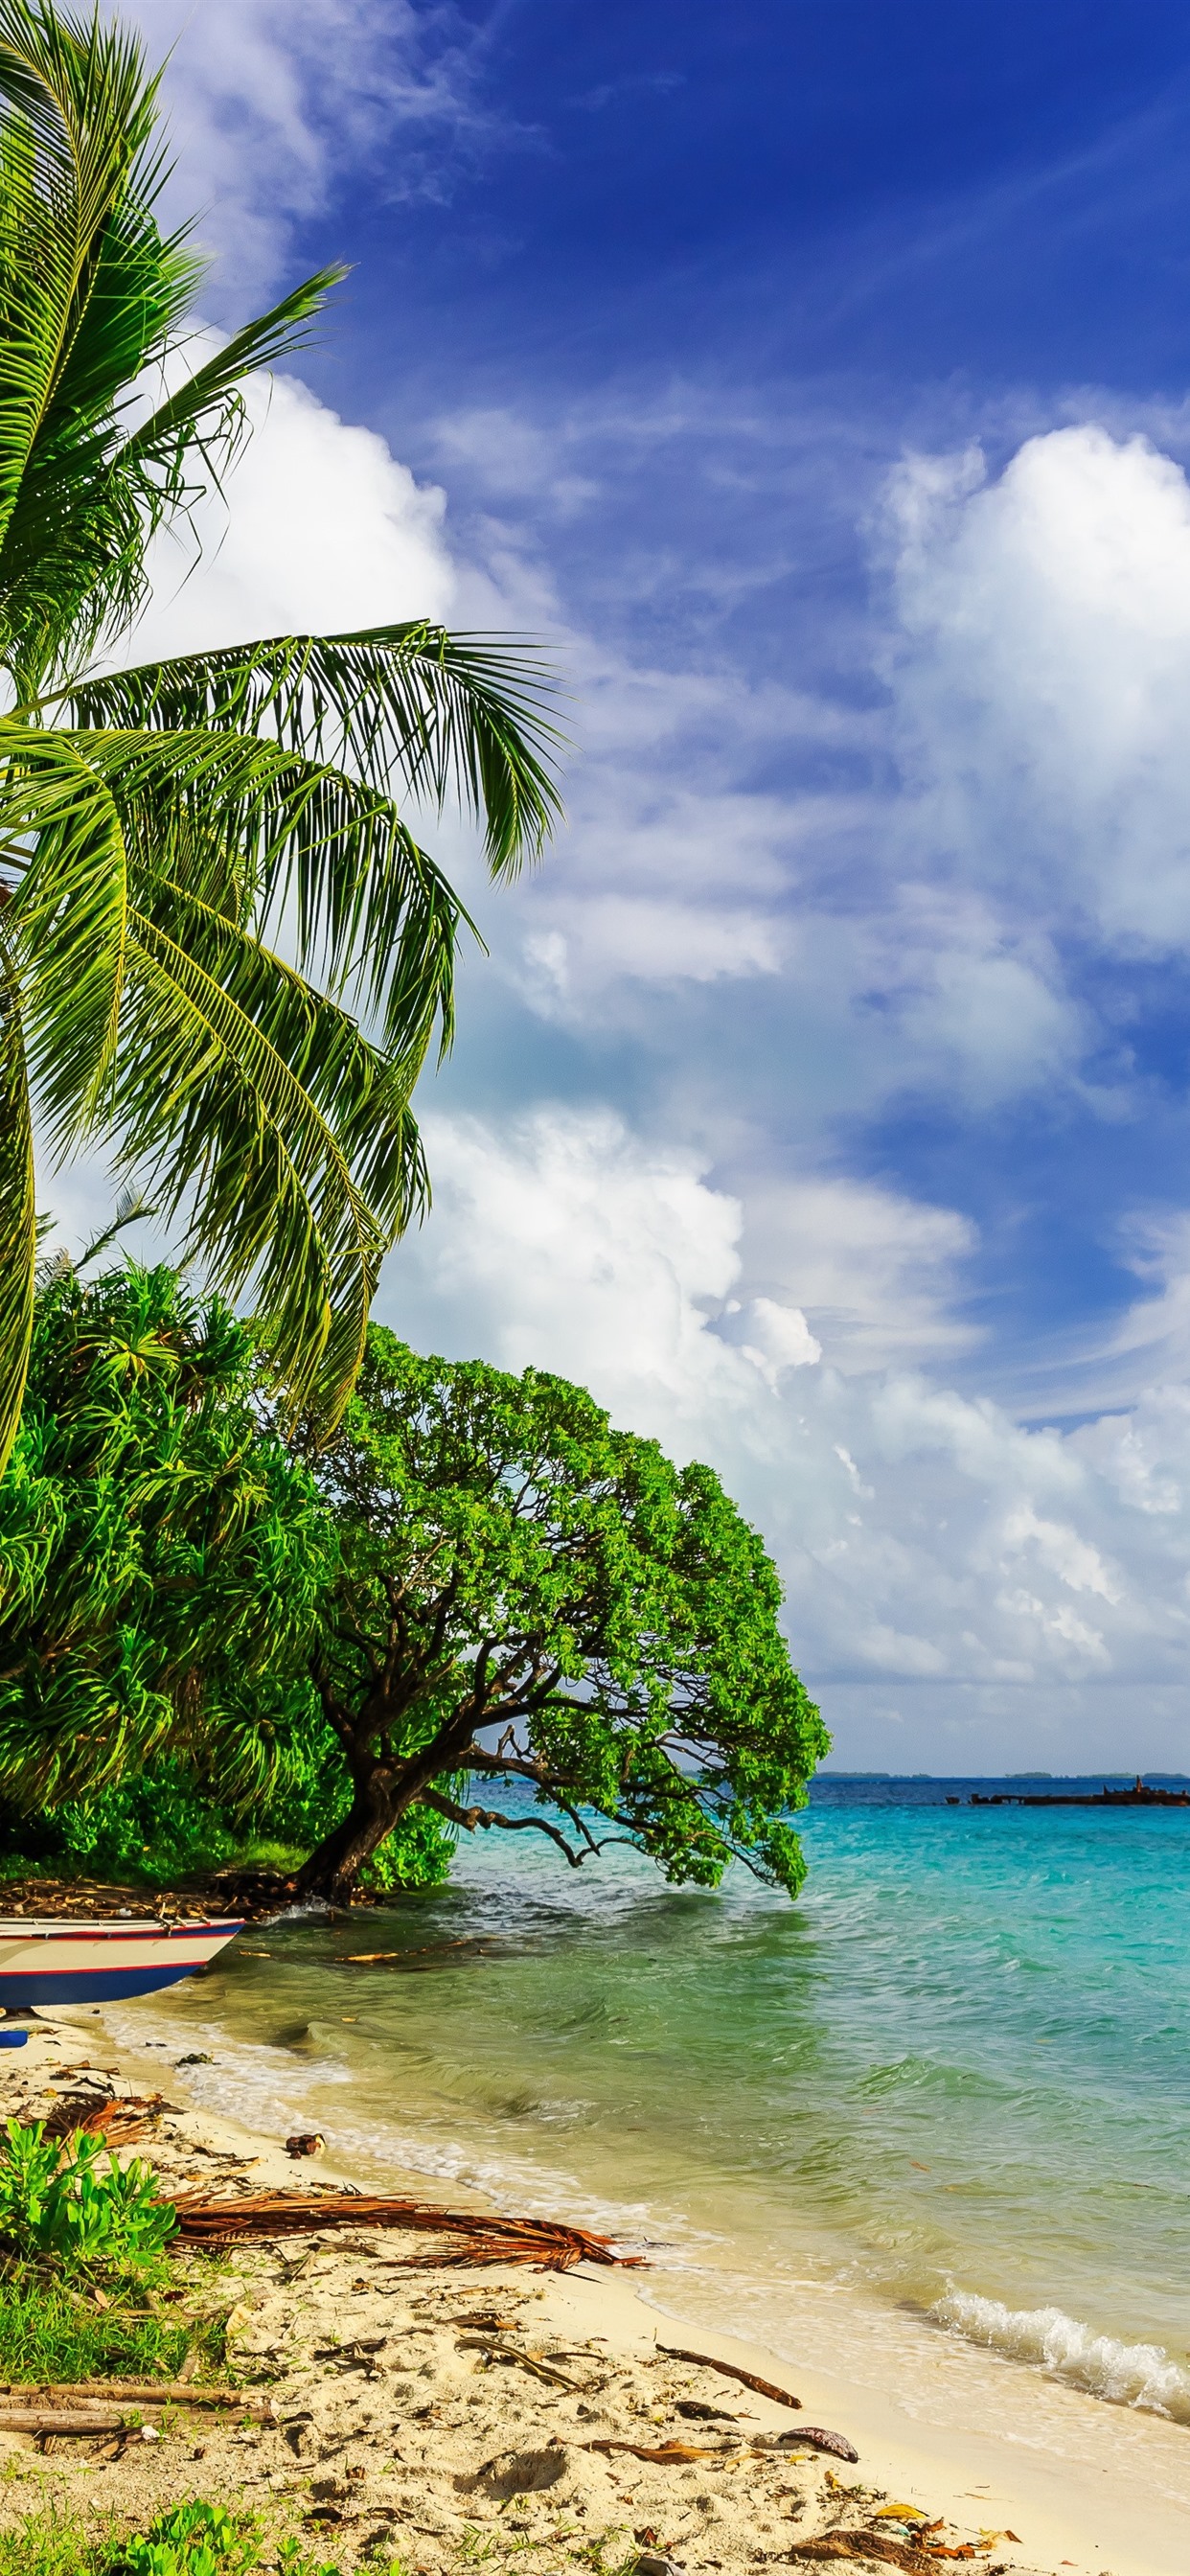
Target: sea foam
x=1126, y=2374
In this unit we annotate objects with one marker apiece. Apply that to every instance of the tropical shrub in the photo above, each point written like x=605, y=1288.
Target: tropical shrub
x=76, y=2205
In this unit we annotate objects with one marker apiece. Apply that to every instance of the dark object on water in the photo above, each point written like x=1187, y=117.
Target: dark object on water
x=309, y=2142
x=197, y=2057
x=479, y=2236
x=819, y=2440
x=731, y=2370
x=1139, y=1795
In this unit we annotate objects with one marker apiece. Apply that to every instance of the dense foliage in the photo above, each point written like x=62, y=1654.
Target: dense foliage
x=205, y=1640
x=527, y=1595
x=157, y=823
x=77, y=2206
x=161, y=1553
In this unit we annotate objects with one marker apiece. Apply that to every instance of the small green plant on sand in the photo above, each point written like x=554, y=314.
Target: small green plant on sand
x=74, y=2204
x=193, y=2539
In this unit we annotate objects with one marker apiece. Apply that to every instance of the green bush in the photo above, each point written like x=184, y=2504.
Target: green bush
x=76, y=2206
x=193, y=2540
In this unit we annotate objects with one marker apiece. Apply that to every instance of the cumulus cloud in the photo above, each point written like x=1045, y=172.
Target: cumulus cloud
x=322, y=530
x=920, y=1533
x=1041, y=672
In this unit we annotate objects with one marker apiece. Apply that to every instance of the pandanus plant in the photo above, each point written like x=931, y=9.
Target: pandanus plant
x=223, y=953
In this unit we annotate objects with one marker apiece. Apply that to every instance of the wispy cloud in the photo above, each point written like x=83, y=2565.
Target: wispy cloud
x=273, y=103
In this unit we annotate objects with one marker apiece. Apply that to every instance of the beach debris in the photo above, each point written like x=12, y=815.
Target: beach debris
x=696, y=2413
x=651, y=2563
x=196, y=2057
x=731, y=2370
x=77, y=2422
x=817, y=2437
x=530, y=2361
x=478, y=2236
x=119, y=2118
x=861, y=2544
x=668, y=2455
x=136, y=2392
x=306, y=2142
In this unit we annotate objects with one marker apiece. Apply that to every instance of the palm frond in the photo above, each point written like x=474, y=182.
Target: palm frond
x=18, y=1212
x=260, y=1112
x=241, y=822
x=131, y=1208
x=443, y=714
x=92, y=295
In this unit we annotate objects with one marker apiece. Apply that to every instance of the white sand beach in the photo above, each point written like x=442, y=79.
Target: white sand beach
x=417, y=2403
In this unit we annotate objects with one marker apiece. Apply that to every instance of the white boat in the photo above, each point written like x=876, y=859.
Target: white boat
x=43, y=1961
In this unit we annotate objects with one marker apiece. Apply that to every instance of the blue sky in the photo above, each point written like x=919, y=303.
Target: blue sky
x=814, y=376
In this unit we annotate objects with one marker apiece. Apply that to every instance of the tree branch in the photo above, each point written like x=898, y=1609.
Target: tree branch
x=486, y=1817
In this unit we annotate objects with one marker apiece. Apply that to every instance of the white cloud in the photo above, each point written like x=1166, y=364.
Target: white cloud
x=1041, y=675
x=323, y=530
x=270, y=100
x=920, y=1534
x=876, y=1273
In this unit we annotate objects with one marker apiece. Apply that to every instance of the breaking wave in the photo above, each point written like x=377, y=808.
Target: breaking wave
x=1125, y=2374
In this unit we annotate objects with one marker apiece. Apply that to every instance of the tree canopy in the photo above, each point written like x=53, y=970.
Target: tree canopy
x=156, y=823
x=479, y=1608
x=162, y=1556
x=526, y=1596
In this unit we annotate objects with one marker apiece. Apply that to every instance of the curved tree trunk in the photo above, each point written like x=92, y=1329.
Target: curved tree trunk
x=377, y=1804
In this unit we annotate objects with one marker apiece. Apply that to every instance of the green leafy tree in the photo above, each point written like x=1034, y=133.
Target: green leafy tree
x=162, y=1555
x=156, y=823
x=528, y=1596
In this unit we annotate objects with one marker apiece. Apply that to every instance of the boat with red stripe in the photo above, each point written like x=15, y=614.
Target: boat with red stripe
x=43, y=1961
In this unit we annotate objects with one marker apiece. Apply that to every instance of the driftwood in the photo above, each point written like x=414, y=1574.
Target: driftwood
x=862, y=2544
x=529, y=2361
x=477, y=2237
x=60, y=2419
x=136, y=2392
x=731, y=2370
x=670, y=2455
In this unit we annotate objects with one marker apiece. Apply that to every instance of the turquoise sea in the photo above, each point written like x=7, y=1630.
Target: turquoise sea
x=953, y=2079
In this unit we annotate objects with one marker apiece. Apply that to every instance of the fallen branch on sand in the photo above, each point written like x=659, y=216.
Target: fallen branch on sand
x=477, y=2237
x=731, y=2370
x=862, y=2544
x=61, y=2419
x=134, y=2392
x=670, y=2455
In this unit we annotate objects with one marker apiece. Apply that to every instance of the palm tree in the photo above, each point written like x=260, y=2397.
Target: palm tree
x=161, y=826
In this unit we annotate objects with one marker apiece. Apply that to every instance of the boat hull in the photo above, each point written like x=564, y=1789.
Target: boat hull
x=101, y=1963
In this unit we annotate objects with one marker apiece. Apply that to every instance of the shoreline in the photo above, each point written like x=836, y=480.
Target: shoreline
x=1090, y=2488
